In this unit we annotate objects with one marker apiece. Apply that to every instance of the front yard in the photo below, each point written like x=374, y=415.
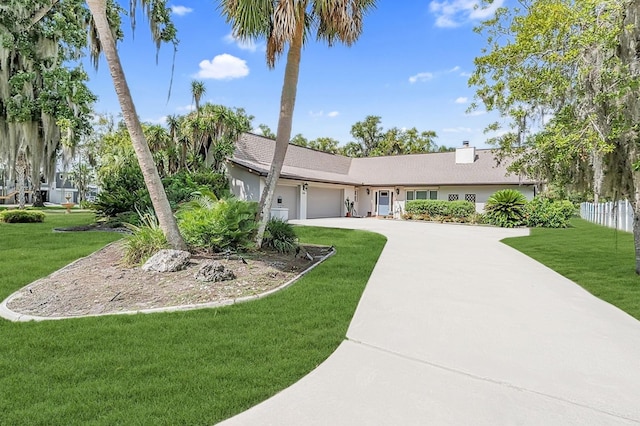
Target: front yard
x=196, y=367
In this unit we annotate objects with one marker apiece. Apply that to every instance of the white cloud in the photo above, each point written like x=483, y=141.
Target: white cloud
x=180, y=10
x=161, y=120
x=321, y=113
x=249, y=45
x=457, y=130
x=455, y=69
x=223, y=67
x=187, y=108
x=476, y=113
x=454, y=13
x=462, y=100
x=421, y=76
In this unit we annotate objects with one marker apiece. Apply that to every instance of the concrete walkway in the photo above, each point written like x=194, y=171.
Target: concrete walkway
x=456, y=328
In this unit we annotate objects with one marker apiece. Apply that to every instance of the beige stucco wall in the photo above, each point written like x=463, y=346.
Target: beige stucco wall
x=244, y=185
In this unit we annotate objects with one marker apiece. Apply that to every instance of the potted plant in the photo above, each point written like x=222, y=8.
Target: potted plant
x=349, y=207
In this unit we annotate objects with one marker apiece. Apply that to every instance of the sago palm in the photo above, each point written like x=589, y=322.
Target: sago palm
x=506, y=208
x=290, y=22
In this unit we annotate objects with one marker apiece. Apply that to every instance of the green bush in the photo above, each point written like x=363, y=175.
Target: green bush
x=218, y=224
x=458, y=211
x=147, y=239
x=506, y=208
x=280, y=236
x=181, y=186
x=21, y=216
x=546, y=213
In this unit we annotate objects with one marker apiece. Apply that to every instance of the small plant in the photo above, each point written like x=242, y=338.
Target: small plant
x=348, y=206
x=218, y=225
x=21, y=216
x=506, y=208
x=280, y=236
x=147, y=239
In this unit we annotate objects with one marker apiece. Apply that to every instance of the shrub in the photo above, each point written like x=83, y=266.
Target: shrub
x=458, y=211
x=280, y=236
x=147, y=239
x=461, y=209
x=21, y=216
x=181, y=186
x=505, y=208
x=218, y=224
x=543, y=212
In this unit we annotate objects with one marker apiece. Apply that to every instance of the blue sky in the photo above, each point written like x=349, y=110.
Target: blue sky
x=410, y=67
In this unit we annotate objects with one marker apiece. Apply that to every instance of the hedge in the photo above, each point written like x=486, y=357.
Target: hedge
x=21, y=216
x=436, y=209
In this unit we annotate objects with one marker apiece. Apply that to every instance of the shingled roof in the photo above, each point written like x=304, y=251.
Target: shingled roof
x=255, y=152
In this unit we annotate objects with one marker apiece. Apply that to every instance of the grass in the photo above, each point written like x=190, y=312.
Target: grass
x=196, y=367
x=600, y=259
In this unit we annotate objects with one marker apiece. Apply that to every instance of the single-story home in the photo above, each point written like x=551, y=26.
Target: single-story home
x=315, y=184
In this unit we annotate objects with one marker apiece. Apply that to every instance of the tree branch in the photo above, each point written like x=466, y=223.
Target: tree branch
x=43, y=12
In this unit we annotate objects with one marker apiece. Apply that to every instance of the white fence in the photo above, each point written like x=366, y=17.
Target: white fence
x=617, y=215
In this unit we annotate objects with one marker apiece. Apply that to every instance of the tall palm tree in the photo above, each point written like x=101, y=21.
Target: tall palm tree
x=198, y=89
x=284, y=22
x=152, y=180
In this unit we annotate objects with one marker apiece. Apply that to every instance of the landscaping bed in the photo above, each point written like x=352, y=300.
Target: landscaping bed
x=101, y=284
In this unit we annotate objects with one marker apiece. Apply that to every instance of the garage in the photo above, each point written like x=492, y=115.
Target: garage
x=324, y=202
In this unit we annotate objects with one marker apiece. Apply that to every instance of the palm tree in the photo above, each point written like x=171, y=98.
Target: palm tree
x=213, y=132
x=152, y=180
x=198, y=89
x=284, y=22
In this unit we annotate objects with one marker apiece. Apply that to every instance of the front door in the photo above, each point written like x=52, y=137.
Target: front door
x=384, y=201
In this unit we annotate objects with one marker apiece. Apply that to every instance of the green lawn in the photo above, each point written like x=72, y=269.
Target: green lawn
x=196, y=367
x=600, y=259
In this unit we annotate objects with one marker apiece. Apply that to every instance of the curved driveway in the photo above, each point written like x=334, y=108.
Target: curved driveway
x=456, y=328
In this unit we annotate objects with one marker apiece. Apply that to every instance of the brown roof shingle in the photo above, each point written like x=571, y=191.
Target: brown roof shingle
x=255, y=152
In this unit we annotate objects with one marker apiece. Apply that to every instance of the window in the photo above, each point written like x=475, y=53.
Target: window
x=453, y=197
x=470, y=197
x=422, y=194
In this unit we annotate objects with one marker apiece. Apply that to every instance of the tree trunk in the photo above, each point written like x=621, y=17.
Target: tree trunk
x=21, y=174
x=149, y=171
x=285, y=121
x=628, y=51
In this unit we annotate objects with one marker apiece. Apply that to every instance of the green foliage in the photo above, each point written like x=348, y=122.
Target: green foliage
x=445, y=211
x=147, y=239
x=218, y=224
x=545, y=213
x=506, y=208
x=21, y=216
x=372, y=140
x=182, y=186
x=280, y=236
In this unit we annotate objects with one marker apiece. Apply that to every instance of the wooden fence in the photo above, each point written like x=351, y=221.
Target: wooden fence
x=617, y=215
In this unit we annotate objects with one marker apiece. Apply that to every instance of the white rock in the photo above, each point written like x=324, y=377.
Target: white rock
x=167, y=261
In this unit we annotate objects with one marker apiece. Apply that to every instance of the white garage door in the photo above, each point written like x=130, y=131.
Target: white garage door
x=324, y=202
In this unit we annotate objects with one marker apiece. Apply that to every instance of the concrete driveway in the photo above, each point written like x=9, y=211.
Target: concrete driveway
x=456, y=328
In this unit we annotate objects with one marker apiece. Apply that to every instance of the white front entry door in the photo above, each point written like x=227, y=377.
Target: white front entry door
x=384, y=203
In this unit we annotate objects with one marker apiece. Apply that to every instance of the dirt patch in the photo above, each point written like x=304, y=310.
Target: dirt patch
x=101, y=284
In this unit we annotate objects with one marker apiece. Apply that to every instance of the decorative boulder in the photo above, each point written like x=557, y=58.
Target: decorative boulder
x=214, y=271
x=167, y=261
